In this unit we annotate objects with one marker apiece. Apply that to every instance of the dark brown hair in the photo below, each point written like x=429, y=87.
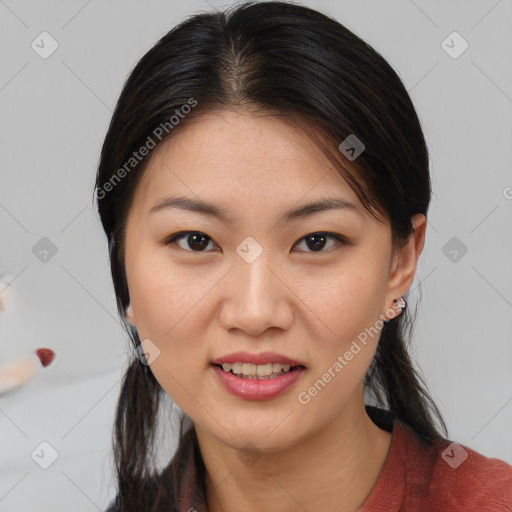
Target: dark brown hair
x=288, y=60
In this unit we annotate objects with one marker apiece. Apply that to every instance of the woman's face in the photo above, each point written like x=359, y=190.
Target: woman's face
x=261, y=280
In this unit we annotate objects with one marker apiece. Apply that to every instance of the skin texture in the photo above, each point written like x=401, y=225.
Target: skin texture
x=300, y=302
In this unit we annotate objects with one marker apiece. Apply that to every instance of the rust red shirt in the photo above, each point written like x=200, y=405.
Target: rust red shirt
x=445, y=477
x=415, y=477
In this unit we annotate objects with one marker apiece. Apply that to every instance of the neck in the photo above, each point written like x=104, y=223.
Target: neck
x=334, y=469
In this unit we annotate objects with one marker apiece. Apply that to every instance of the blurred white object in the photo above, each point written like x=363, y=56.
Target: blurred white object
x=17, y=373
x=5, y=292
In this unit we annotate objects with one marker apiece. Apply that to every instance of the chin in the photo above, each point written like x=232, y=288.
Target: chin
x=266, y=434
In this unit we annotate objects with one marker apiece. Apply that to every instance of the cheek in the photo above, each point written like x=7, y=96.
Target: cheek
x=166, y=297
x=348, y=302
x=349, y=306
x=168, y=313
x=171, y=305
x=345, y=344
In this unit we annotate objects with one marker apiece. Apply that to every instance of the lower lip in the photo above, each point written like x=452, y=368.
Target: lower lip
x=256, y=389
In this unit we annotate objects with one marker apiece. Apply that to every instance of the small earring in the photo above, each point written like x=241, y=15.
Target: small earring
x=401, y=303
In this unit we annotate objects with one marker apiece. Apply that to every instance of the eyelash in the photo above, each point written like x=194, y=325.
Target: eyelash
x=183, y=234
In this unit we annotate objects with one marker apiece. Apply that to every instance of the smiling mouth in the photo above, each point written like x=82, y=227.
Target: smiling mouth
x=258, y=371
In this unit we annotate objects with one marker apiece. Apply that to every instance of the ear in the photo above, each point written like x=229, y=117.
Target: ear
x=405, y=259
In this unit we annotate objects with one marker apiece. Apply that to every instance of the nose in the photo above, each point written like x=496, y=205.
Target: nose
x=256, y=298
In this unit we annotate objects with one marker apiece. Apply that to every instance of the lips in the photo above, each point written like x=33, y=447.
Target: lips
x=256, y=389
x=261, y=358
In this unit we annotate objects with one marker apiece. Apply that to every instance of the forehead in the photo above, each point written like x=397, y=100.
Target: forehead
x=227, y=156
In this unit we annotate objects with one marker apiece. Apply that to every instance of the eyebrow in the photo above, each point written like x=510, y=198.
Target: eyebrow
x=212, y=210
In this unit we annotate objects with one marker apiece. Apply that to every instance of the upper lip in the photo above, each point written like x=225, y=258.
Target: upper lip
x=261, y=358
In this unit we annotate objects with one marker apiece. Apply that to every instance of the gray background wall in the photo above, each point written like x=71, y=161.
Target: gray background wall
x=54, y=115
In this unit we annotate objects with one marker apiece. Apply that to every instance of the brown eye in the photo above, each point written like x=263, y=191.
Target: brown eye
x=318, y=241
x=193, y=241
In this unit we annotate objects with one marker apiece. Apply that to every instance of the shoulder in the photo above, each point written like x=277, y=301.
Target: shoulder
x=455, y=477
x=465, y=477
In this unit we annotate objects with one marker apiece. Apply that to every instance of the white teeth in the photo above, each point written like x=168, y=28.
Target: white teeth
x=264, y=369
x=249, y=369
x=259, y=371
